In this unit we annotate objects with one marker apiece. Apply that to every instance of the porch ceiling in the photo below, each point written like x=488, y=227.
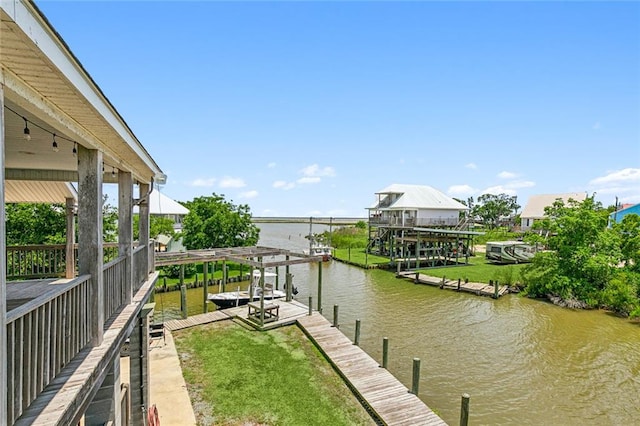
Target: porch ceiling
x=20, y=191
x=44, y=83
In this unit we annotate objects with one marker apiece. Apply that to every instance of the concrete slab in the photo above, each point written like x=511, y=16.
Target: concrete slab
x=168, y=388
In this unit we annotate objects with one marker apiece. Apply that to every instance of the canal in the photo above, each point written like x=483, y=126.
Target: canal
x=522, y=361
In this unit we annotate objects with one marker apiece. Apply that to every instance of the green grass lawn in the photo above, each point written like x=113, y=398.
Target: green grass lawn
x=479, y=271
x=358, y=256
x=238, y=377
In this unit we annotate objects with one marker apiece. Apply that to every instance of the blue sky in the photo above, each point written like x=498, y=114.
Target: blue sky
x=309, y=108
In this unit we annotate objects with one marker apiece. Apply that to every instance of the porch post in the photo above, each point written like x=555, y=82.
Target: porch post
x=125, y=230
x=144, y=212
x=105, y=406
x=90, y=234
x=3, y=272
x=71, y=239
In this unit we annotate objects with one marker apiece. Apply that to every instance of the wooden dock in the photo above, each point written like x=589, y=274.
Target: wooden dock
x=389, y=400
x=480, y=289
x=289, y=313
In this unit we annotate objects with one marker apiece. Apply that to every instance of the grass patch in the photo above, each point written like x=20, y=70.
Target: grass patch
x=240, y=377
x=479, y=271
x=359, y=257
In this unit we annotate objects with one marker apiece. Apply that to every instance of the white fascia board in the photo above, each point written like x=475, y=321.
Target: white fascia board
x=42, y=35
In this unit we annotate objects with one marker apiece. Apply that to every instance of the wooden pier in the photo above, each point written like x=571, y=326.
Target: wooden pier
x=480, y=289
x=383, y=394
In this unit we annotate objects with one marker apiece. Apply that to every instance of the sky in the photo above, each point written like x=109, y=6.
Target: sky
x=304, y=108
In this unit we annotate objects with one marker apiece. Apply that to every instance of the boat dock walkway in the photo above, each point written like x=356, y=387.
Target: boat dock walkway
x=388, y=399
x=288, y=314
x=480, y=289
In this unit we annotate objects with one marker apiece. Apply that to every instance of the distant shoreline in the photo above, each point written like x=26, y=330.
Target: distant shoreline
x=317, y=220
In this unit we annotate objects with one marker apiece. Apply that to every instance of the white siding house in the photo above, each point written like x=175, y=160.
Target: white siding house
x=534, y=210
x=414, y=205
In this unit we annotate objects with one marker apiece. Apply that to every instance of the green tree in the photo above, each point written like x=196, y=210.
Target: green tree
x=214, y=222
x=629, y=231
x=35, y=223
x=490, y=208
x=157, y=225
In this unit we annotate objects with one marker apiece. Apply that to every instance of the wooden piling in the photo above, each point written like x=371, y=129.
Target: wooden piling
x=415, y=383
x=205, y=286
x=335, y=316
x=385, y=352
x=183, y=301
x=357, y=338
x=464, y=410
x=320, y=286
x=458, y=284
x=496, y=290
x=310, y=305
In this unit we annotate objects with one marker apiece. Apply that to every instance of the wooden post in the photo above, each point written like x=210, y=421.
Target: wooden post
x=70, y=260
x=442, y=283
x=415, y=383
x=90, y=251
x=417, y=278
x=335, y=316
x=357, y=338
x=3, y=272
x=225, y=272
x=205, y=286
x=385, y=352
x=464, y=410
x=277, y=278
x=183, y=301
x=320, y=286
x=144, y=212
x=125, y=230
x=261, y=297
x=496, y=290
x=310, y=305
x=289, y=287
x=458, y=284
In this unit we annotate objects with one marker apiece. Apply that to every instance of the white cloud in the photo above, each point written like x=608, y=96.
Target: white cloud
x=231, y=182
x=618, y=176
x=314, y=213
x=271, y=165
x=520, y=184
x=248, y=194
x=461, y=190
x=471, y=166
x=337, y=213
x=308, y=179
x=507, y=175
x=270, y=213
x=499, y=189
x=281, y=184
x=203, y=182
x=316, y=171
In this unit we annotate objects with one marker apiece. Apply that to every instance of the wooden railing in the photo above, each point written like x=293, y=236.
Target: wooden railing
x=413, y=222
x=115, y=283
x=46, y=260
x=140, y=266
x=43, y=335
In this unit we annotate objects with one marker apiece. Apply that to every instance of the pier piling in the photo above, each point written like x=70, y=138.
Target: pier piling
x=415, y=383
x=357, y=338
x=464, y=410
x=385, y=352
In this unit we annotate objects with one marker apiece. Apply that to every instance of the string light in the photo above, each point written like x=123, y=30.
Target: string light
x=113, y=172
x=27, y=132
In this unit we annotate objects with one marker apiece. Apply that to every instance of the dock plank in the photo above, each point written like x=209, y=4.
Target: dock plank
x=389, y=399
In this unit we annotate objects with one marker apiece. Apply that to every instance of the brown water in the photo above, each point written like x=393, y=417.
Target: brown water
x=522, y=361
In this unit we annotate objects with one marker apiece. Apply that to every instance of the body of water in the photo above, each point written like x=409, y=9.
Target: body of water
x=522, y=361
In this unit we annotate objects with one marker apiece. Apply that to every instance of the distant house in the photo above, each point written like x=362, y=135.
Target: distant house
x=163, y=206
x=414, y=205
x=617, y=216
x=534, y=210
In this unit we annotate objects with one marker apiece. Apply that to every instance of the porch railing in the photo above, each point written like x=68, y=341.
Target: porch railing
x=114, y=281
x=140, y=265
x=413, y=222
x=43, y=335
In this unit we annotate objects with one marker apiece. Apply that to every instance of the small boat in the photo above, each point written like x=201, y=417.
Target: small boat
x=320, y=250
x=230, y=299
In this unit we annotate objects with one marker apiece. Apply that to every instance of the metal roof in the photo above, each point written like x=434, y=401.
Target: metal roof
x=536, y=203
x=416, y=197
x=161, y=204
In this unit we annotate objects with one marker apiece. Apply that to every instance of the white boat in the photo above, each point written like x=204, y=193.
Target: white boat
x=320, y=250
x=229, y=299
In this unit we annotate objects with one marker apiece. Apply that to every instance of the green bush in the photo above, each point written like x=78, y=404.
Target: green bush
x=173, y=271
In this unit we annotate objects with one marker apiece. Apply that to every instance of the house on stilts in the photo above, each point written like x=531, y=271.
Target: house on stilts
x=418, y=225
x=67, y=311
